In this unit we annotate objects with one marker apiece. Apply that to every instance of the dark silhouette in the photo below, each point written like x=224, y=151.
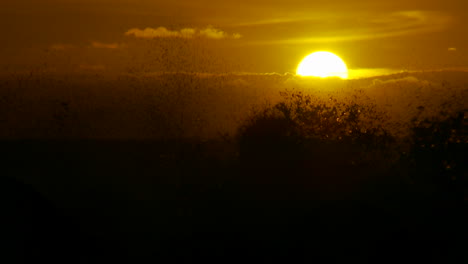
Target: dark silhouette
x=303, y=180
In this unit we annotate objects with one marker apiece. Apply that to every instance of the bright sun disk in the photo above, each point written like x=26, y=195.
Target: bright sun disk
x=323, y=64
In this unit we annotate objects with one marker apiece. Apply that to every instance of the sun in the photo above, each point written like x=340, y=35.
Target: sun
x=323, y=64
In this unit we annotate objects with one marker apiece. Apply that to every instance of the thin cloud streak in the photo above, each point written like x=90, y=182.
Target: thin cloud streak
x=374, y=27
x=186, y=33
x=101, y=45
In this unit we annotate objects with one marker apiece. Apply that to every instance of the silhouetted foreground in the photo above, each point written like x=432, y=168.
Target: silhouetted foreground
x=95, y=201
x=304, y=180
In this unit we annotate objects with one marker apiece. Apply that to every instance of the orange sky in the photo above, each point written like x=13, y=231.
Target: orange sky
x=231, y=35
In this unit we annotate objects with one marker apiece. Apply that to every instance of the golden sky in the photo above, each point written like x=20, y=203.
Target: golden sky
x=232, y=35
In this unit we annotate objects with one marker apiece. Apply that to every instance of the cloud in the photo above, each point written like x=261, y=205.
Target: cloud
x=94, y=44
x=187, y=33
x=369, y=26
x=214, y=33
x=101, y=45
x=402, y=80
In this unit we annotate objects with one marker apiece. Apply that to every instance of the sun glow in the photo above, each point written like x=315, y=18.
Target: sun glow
x=323, y=64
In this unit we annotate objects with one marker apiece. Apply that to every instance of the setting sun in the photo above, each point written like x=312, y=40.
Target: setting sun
x=322, y=64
